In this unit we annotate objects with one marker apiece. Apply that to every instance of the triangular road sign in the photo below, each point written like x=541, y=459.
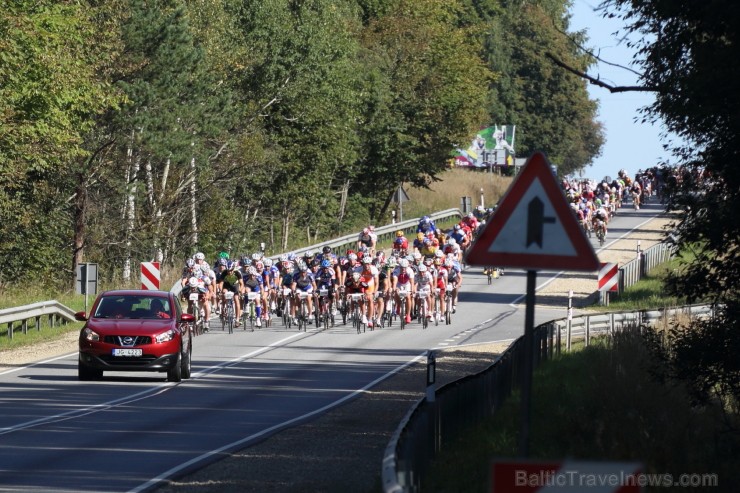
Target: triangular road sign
x=533, y=227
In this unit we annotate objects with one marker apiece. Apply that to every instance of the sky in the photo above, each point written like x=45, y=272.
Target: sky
x=628, y=144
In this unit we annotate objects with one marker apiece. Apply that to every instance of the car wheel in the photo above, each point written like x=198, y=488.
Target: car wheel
x=186, y=362
x=174, y=374
x=86, y=373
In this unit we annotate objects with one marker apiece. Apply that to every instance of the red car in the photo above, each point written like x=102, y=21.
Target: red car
x=135, y=330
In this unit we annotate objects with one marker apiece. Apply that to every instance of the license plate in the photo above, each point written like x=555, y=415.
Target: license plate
x=127, y=352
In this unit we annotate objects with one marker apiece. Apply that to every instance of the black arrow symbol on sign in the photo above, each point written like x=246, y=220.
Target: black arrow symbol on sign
x=535, y=221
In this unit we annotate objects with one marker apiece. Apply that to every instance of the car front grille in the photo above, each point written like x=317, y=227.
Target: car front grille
x=127, y=341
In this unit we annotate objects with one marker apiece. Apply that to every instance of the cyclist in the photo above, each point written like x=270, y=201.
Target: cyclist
x=254, y=283
x=367, y=239
x=426, y=225
x=304, y=282
x=418, y=243
x=326, y=278
x=402, y=278
x=424, y=282
x=368, y=278
x=230, y=279
x=454, y=278
x=271, y=278
x=354, y=285
x=400, y=244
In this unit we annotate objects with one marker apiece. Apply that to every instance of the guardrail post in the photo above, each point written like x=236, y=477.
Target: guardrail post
x=24, y=326
x=558, y=337
x=588, y=329
x=38, y=323
x=10, y=330
x=551, y=334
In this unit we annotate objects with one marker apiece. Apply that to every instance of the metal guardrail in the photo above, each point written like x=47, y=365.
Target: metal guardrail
x=56, y=313
x=385, y=234
x=459, y=405
x=634, y=270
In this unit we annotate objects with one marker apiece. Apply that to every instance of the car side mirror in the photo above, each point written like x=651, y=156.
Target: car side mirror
x=187, y=317
x=81, y=316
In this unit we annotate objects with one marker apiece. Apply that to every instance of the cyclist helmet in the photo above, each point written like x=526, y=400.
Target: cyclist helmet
x=303, y=268
x=437, y=261
x=200, y=256
x=403, y=263
x=268, y=262
x=259, y=264
x=399, y=233
x=419, y=236
x=251, y=271
x=352, y=256
x=439, y=253
x=291, y=257
x=451, y=241
x=309, y=254
x=457, y=227
x=426, y=219
x=223, y=255
x=422, y=268
x=367, y=260
x=283, y=258
x=189, y=263
x=410, y=258
x=350, y=252
x=222, y=261
x=391, y=262
x=326, y=263
x=428, y=261
x=448, y=262
x=193, y=282
x=356, y=276
x=326, y=250
x=256, y=256
x=230, y=264
x=366, y=231
x=417, y=255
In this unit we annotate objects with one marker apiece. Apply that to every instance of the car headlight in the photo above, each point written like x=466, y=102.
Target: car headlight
x=90, y=335
x=165, y=336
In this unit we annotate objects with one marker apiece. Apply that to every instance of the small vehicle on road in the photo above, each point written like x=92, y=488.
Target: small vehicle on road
x=135, y=330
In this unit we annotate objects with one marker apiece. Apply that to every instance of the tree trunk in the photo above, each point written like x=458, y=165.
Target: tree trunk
x=80, y=209
x=286, y=226
x=193, y=203
x=130, y=216
x=343, y=201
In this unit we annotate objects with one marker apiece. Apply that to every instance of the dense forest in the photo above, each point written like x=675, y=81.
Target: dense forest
x=136, y=130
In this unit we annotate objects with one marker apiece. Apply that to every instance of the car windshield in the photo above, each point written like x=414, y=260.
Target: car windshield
x=133, y=307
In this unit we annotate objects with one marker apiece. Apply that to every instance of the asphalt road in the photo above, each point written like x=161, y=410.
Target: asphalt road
x=131, y=430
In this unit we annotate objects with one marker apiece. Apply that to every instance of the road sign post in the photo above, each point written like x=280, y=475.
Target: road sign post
x=533, y=228
x=86, y=280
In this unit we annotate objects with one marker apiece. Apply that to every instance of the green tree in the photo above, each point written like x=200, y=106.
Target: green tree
x=685, y=51
x=426, y=88
x=550, y=106
x=50, y=57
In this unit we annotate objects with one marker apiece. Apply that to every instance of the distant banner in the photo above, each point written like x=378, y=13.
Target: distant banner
x=494, y=138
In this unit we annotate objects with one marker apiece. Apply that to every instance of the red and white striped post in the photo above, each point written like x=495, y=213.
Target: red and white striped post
x=608, y=280
x=150, y=275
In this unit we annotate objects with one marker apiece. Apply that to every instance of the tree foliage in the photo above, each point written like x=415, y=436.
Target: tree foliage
x=301, y=118
x=686, y=51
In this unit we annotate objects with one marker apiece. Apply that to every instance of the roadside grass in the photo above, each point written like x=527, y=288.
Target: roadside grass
x=649, y=292
x=610, y=401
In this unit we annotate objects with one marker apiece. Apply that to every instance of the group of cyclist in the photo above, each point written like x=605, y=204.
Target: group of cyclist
x=595, y=203
x=412, y=273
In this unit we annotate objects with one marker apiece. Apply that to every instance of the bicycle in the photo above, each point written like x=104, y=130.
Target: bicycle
x=287, y=319
x=303, y=314
x=403, y=308
x=600, y=235
x=227, y=312
x=437, y=304
x=250, y=310
x=390, y=311
x=448, y=304
x=195, y=310
x=421, y=303
x=324, y=313
x=356, y=311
